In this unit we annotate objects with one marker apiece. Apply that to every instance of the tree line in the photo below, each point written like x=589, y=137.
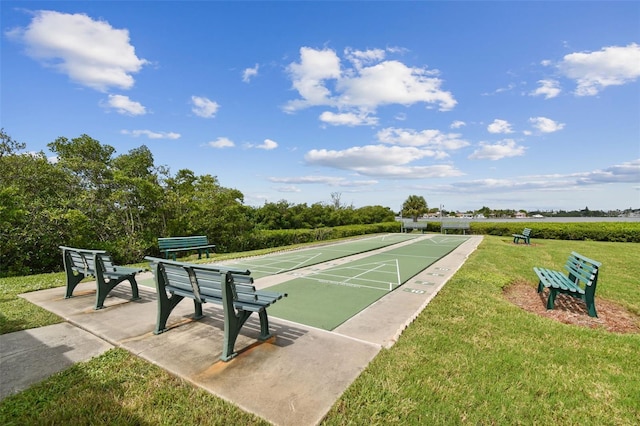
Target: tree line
x=90, y=197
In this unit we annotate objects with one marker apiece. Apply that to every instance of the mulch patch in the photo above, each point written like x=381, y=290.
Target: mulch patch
x=569, y=310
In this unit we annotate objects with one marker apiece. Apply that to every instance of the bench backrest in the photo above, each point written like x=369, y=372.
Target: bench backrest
x=182, y=242
x=455, y=223
x=583, y=270
x=526, y=232
x=204, y=281
x=84, y=260
x=414, y=225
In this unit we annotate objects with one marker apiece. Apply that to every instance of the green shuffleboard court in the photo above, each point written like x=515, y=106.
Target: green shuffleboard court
x=278, y=263
x=327, y=298
x=283, y=262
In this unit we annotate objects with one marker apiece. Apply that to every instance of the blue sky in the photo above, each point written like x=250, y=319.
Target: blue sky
x=520, y=105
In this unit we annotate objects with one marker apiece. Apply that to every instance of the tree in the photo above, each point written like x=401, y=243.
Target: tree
x=37, y=214
x=9, y=146
x=414, y=207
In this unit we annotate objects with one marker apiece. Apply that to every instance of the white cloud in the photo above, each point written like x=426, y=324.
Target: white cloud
x=92, y=53
x=499, y=126
x=288, y=189
x=308, y=77
x=249, y=73
x=348, y=119
x=504, y=149
x=425, y=138
x=362, y=57
x=594, y=71
x=268, y=145
x=381, y=161
x=221, y=142
x=323, y=180
x=321, y=81
x=458, y=124
x=123, y=105
x=626, y=172
x=548, y=88
x=365, y=156
x=546, y=125
x=151, y=134
x=392, y=82
x=203, y=107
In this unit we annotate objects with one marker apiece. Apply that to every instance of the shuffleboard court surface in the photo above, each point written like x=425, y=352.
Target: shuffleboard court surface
x=327, y=298
x=272, y=264
x=278, y=263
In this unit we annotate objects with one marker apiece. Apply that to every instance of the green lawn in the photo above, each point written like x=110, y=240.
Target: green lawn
x=471, y=357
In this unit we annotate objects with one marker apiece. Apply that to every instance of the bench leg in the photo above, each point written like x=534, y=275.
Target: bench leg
x=232, y=324
x=552, y=298
x=104, y=288
x=264, y=326
x=165, y=306
x=72, y=281
x=591, y=306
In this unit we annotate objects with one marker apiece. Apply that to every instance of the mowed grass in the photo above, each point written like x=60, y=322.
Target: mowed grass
x=471, y=357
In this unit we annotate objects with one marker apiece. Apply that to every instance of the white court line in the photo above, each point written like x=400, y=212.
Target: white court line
x=344, y=284
x=299, y=264
x=365, y=272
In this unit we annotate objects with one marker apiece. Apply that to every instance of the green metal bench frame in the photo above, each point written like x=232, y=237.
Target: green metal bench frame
x=525, y=236
x=80, y=263
x=233, y=289
x=580, y=282
x=171, y=245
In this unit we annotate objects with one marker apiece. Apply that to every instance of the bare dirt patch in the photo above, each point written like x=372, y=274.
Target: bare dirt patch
x=568, y=310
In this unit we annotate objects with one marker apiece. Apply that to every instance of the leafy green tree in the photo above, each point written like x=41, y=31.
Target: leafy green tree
x=37, y=214
x=373, y=214
x=275, y=215
x=180, y=192
x=414, y=207
x=9, y=146
x=137, y=198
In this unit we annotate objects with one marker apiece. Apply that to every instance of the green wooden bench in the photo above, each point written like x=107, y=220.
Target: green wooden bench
x=171, y=245
x=525, y=236
x=455, y=224
x=80, y=263
x=233, y=289
x=580, y=282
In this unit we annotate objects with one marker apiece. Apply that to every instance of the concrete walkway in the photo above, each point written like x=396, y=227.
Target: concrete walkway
x=293, y=379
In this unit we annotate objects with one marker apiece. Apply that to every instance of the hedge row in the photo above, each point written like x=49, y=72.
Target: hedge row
x=587, y=231
x=285, y=237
